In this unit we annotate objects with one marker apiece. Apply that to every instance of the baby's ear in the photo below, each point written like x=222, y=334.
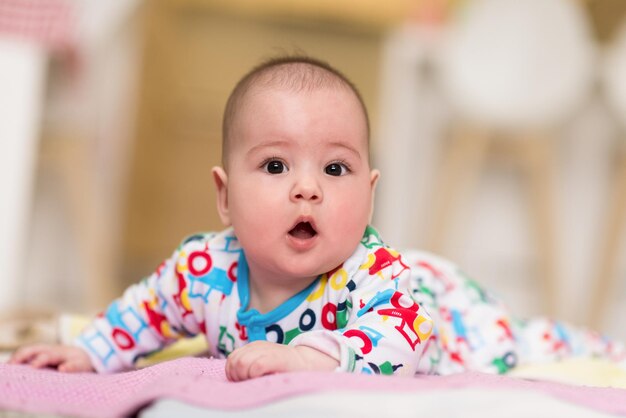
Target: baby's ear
x=374, y=175
x=221, y=185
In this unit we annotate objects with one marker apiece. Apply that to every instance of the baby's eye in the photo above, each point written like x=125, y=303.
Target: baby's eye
x=336, y=169
x=275, y=167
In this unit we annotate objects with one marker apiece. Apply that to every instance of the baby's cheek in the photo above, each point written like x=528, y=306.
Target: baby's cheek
x=352, y=214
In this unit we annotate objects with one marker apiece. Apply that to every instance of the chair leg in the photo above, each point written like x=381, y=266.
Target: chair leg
x=71, y=158
x=606, y=281
x=538, y=156
x=463, y=163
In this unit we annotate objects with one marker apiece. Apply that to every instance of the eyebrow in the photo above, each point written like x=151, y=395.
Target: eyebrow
x=279, y=143
x=276, y=143
x=346, y=147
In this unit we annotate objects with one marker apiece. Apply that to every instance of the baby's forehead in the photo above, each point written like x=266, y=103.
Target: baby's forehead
x=265, y=118
x=275, y=92
x=267, y=94
x=293, y=78
x=263, y=99
x=299, y=78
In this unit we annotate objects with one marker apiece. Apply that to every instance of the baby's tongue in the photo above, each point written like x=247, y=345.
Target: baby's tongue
x=303, y=230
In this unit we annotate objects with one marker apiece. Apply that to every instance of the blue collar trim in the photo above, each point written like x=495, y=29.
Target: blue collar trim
x=252, y=317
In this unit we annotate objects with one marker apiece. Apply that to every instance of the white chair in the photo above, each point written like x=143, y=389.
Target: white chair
x=514, y=70
x=22, y=81
x=86, y=129
x=614, y=83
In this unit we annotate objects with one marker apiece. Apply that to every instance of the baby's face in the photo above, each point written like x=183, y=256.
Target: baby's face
x=299, y=187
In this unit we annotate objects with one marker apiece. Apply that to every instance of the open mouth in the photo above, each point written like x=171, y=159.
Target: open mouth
x=303, y=230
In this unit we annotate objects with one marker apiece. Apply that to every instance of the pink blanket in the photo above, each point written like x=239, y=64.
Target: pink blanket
x=202, y=382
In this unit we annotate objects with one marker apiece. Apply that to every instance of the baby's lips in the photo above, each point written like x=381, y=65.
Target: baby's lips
x=303, y=230
x=305, y=222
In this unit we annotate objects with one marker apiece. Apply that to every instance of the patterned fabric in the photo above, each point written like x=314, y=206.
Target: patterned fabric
x=361, y=313
x=476, y=332
x=374, y=314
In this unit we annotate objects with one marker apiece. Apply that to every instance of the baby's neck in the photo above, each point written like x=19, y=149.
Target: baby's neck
x=265, y=303
x=267, y=292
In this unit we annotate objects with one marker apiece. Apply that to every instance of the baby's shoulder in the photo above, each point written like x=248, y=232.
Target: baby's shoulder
x=373, y=258
x=210, y=243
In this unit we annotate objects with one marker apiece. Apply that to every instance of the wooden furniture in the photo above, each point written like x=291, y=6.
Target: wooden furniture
x=503, y=89
x=470, y=151
x=614, y=220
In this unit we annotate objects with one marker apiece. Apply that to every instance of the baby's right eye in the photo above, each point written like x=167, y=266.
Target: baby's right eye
x=275, y=167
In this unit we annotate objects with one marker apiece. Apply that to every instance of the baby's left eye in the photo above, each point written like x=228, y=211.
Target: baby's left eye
x=336, y=169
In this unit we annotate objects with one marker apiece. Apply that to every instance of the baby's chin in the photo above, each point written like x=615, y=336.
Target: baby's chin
x=313, y=271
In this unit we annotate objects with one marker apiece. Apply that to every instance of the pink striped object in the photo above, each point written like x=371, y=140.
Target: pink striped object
x=202, y=382
x=47, y=22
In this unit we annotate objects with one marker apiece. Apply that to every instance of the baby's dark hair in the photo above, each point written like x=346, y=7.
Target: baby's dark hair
x=298, y=73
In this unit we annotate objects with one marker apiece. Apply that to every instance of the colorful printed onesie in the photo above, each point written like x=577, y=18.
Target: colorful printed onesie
x=372, y=314
x=361, y=313
x=474, y=331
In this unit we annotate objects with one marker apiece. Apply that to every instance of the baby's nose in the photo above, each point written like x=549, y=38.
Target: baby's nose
x=306, y=189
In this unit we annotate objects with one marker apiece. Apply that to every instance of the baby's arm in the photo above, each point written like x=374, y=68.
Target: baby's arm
x=260, y=358
x=62, y=357
x=385, y=330
x=149, y=315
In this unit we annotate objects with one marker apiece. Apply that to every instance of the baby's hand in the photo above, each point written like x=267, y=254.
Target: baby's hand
x=261, y=357
x=62, y=357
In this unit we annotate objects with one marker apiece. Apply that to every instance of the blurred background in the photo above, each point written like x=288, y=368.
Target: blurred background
x=499, y=127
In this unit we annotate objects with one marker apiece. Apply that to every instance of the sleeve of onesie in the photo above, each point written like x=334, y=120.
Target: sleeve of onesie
x=148, y=316
x=385, y=331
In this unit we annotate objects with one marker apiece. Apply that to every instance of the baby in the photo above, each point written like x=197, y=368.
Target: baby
x=299, y=280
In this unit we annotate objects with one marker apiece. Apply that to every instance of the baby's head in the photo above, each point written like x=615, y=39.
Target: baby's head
x=296, y=183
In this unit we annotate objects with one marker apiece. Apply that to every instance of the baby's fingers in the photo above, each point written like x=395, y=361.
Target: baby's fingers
x=238, y=363
x=64, y=358
x=252, y=363
x=72, y=366
x=233, y=366
x=45, y=359
x=76, y=364
x=263, y=365
x=25, y=354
